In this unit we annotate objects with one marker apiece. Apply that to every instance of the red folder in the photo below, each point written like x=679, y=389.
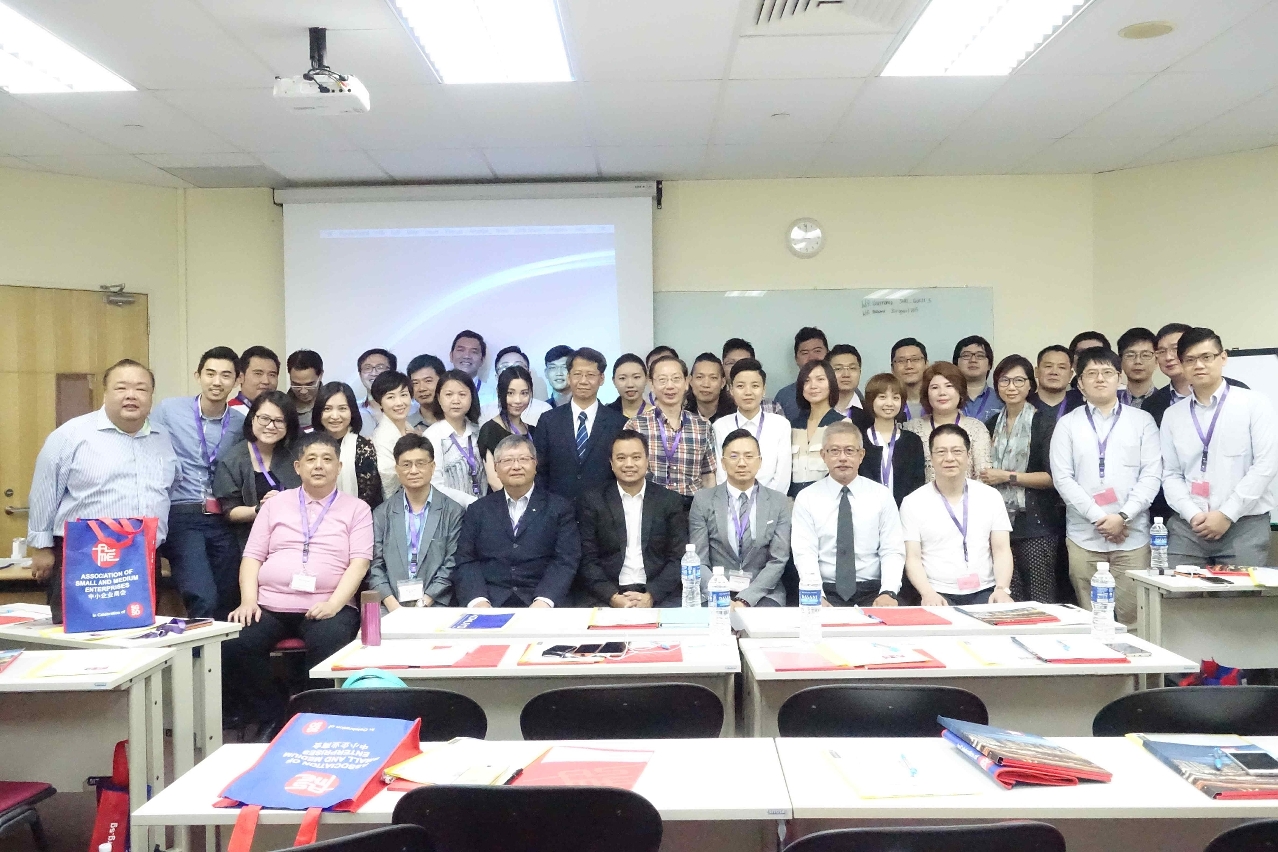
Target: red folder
x=904, y=616
x=623, y=774
x=811, y=660
x=483, y=657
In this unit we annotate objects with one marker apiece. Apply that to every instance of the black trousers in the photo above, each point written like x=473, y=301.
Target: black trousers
x=246, y=659
x=866, y=592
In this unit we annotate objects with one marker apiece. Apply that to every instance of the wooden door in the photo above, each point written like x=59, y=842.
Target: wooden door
x=49, y=340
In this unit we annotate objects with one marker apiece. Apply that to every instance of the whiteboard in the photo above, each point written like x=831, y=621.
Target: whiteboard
x=871, y=320
x=1258, y=370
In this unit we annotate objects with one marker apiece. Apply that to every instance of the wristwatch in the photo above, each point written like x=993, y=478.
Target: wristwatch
x=1011, y=478
x=1124, y=516
x=891, y=595
x=1005, y=591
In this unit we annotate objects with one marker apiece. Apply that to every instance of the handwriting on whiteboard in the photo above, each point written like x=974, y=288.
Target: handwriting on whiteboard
x=893, y=307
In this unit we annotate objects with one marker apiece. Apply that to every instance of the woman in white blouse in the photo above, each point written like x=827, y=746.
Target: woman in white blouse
x=393, y=392
x=459, y=470
x=944, y=392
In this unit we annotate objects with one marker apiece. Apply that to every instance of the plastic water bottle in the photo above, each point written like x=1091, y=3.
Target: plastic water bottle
x=690, y=570
x=720, y=604
x=1103, y=603
x=810, y=608
x=1158, y=546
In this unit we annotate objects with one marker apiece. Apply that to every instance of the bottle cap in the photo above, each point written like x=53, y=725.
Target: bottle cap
x=1100, y=566
x=692, y=548
x=1158, y=520
x=718, y=569
x=369, y=597
x=104, y=847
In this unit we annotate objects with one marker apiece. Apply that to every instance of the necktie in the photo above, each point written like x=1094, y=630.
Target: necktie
x=743, y=521
x=845, y=549
x=581, y=435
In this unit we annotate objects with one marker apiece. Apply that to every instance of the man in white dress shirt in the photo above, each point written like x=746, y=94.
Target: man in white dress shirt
x=1220, y=456
x=846, y=528
x=748, y=385
x=958, y=548
x=1106, y=464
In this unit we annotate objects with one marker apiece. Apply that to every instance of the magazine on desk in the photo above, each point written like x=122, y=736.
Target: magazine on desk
x=1012, y=757
x=1204, y=761
x=1003, y=615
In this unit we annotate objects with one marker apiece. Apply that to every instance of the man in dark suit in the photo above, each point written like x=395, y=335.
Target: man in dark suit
x=518, y=546
x=574, y=441
x=633, y=534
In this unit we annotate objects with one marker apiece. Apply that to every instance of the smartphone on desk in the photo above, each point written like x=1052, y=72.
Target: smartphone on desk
x=558, y=650
x=1127, y=649
x=1255, y=762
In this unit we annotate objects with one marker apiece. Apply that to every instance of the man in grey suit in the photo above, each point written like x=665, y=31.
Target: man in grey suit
x=743, y=526
x=415, y=533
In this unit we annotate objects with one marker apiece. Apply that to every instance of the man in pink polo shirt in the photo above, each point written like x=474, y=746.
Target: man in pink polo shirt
x=305, y=559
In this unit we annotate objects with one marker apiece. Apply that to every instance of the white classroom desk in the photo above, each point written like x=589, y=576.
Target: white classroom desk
x=62, y=730
x=1146, y=806
x=783, y=623
x=433, y=622
x=718, y=795
x=1046, y=698
x=195, y=677
x=1234, y=625
x=503, y=690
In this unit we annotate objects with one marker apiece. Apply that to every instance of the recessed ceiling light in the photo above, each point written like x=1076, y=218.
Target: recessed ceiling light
x=978, y=38
x=34, y=61
x=1146, y=29
x=489, y=41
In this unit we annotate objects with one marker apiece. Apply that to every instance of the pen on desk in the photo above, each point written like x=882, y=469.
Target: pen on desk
x=906, y=761
x=1219, y=757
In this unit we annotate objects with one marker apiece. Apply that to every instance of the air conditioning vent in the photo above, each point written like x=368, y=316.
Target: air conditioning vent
x=882, y=16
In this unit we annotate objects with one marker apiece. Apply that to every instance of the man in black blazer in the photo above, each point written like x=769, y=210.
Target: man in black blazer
x=633, y=534
x=518, y=546
x=574, y=441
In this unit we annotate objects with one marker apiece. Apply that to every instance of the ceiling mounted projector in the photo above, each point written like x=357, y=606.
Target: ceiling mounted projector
x=321, y=91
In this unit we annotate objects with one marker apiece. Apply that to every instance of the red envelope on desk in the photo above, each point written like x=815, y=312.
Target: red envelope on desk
x=905, y=616
x=576, y=766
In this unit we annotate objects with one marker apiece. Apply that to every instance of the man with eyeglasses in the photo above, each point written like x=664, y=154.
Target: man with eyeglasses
x=574, y=440
x=1136, y=350
x=202, y=548
x=1220, y=457
x=810, y=344
x=370, y=365
x=519, y=547
x=975, y=358
x=1106, y=463
x=909, y=361
x=1178, y=387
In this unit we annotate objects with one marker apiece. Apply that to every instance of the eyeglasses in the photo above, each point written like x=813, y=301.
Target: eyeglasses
x=945, y=453
x=373, y=369
x=841, y=452
x=736, y=457
x=270, y=422
x=1140, y=357
x=306, y=385
x=507, y=461
x=1206, y=360
x=845, y=369
x=578, y=375
x=908, y=362
x=1013, y=382
x=413, y=465
x=972, y=356
x=1100, y=375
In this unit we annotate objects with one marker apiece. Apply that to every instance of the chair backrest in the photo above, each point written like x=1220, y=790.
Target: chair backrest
x=444, y=714
x=1000, y=837
x=388, y=838
x=1249, y=711
x=1258, y=836
x=645, y=711
x=873, y=710
x=532, y=819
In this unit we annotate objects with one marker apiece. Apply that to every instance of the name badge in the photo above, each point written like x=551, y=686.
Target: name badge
x=302, y=583
x=969, y=582
x=409, y=591
x=212, y=506
x=738, y=581
x=1200, y=488
x=1108, y=497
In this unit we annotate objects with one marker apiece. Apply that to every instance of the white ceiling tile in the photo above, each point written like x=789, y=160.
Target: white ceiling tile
x=136, y=122
x=253, y=120
x=433, y=164
x=283, y=16
x=407, y=117
x=650, y=113
x=14, y=163
x=881, y=156
x=1192, y=146
x=759, y=161
x=664, y=162
x=118, y=167
x=1050, y=106
x=914, y=107
x=1246, y=46
x=1171, y=104
x=653, y=40
x=522, y=114
x=1073, y=155
x=1090, y=44
x=25, y=130
x=324, y=166
x=804, y=110
x=1257, y=116
x=978, y=154
x=807, y=57
x=553, y=162
x=200, y=161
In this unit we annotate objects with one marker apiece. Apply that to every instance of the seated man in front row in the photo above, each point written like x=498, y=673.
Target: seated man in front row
x=742, y=526
x=519, y=546
x=633, y=534
x=958, y=547
x=305, y=558
x=415, y=533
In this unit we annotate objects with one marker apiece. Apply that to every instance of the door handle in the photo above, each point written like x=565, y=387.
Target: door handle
x=16, y=510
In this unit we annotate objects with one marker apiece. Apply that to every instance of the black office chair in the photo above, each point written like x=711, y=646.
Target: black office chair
x=444, y=714
x=389, y=838
x=644, y=711
x=1258, y=836
x=1249, y=711
x=998, y=837
x=532, y=819
x=874, y=710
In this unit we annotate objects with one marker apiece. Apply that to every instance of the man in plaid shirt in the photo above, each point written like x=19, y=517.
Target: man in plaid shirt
x=680, y=443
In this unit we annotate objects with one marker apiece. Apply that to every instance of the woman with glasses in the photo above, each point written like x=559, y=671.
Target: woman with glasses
x=944, y=391
x=1021, y=472
x=514, y=395
x=338, y=414
x=459, y=468
x=817, y=394
x=394, y=396
x=259, y=467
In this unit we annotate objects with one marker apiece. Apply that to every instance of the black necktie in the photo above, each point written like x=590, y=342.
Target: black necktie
x=845, y=549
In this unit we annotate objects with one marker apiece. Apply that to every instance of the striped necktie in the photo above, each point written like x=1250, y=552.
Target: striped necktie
x=581, y=435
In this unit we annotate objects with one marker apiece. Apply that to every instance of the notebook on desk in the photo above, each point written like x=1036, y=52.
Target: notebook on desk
x=1208, y=763
x=1075, y=650
x=1008, y=614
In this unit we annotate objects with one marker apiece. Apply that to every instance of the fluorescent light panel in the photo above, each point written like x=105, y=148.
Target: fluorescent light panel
x=978, y=38
x=34, y=60
x=489, y=41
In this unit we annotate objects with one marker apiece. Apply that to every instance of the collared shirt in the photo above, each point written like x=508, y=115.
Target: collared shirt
x=986, y=403
x=1242, y=461
x=88, y=468
x=774, y=447
x=590, y=415
x=734, y=502
x=176, y=416
x=1133, y=468
x=452, y=470
x=1127, y=398
x=925, y=519
x=370, y=417
x=516, y=508
x=632, y=570
x=408, y=533
x=880, y=547
x=346, y=533
x=688, y=462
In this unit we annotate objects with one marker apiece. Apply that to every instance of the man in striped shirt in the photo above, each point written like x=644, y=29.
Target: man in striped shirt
x=110, y=463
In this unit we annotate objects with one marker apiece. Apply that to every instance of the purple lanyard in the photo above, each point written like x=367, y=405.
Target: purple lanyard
x=472, y=463
x=962, y=528
x=505, y=418
x=1060, y=409
x=210, y=458
x=414, y=535
x=257, y=455
x=643, y=403
x=758, y=432
x=1211, y=429
x=1101, y=445
x=905, y=409
x=885, y=468
x=740, y=523
x=980, y=402
x=307, y=529
x=671, y=450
